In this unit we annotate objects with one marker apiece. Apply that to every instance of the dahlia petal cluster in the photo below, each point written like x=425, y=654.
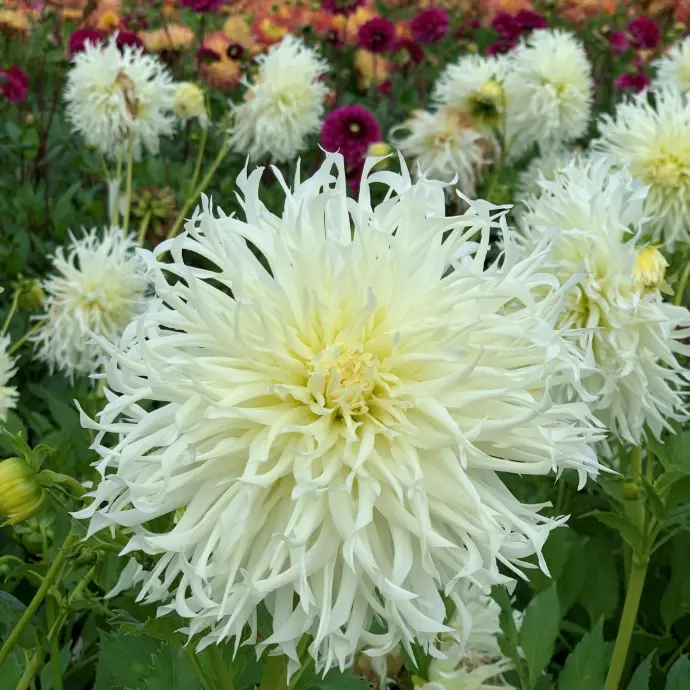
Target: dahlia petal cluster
x=97, y=288
x=673, y=69
x=120, y=98
x=283, y=105
x=337, y=389
x=629, y=334
x=8, y=394
x=542, y=167
x=653, y=140
x=444, y=145
x=474, y=85
x=549, y=89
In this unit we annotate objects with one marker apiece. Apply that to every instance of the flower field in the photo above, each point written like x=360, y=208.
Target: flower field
x=344, y=345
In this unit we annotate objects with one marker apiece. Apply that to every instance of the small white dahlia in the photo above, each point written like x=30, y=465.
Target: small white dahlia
x=119, y=98
x=97, y=289
x=8, y=394
x=473, y=85
x=549, y=89
x=673, y=69
x=630, y=335
x=283, y=105
x=337, y=391
x=476, y=662
x=444, y=145
x=542, y=167
x=653, y=141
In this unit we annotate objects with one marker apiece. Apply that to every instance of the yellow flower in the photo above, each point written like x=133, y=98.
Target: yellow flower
x=649, y=269
x=189, y=102
x=14, y=23
x=21, y=495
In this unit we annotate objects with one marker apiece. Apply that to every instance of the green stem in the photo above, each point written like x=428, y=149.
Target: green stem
x=199, y=160
x=25, y=337
x=197, y=192
x=680, y=290
x=219, y=669
x=118, y=177
x=40, y=595
x=194, y=662
x=10, y=314
x=275, y=674
x=30, y=671
x=638, y=573
x=128, y=191
x=305, y=663
x=51, y=615
x=143, y=228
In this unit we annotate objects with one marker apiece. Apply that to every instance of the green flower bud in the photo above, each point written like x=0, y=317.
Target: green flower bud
x=31, y=294
x=21, y=496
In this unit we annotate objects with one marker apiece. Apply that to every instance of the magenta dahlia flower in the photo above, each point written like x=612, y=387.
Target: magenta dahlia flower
x=344, y=7
x=202, y=5
x=633, y=81
x=80, y=37
x=644, y=33
x=503, y=45
x=507, y=26
x=618, y=42
x=350, y=130
x=377, y=35
x=14, y=85
x=430, y=26
x=529, y=20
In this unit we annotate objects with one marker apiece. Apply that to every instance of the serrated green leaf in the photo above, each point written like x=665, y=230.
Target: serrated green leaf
x=573, y=578
x=675, y=601
x=172, y=671
x=539, y=631
x=587, y=664
x=163, y=628
x=600, y=596
x=125, y=661
x=11, y=670
x=679, y=675
x=640, y=679
x=555, y=552
x=334, y=680
x=622, y=524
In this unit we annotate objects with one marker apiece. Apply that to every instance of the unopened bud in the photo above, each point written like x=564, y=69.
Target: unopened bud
x=21, y=496
x=630, y=491
x=380, y=148
x=31, y=294
x=649, y=269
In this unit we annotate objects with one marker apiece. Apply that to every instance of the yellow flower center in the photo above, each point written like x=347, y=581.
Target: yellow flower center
x=355, y=127
x=667, y=172
x=108, y=20
x=343, y=378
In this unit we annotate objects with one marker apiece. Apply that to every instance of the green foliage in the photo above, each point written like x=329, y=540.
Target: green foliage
x=586, y=666
x=539, y=632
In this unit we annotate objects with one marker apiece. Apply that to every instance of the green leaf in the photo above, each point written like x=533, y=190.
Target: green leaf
x=679, y=675
x=654, y=502
x=125, y=661
x=622, y=524
x=600, y=596
x=172, y=671
x=11, y=610
x=11, y=670
x=539, y=632
x=675, y=601
x=556, y=552
x=640, y=679
x=334, y=680
x=586, y=666
x=573, y=577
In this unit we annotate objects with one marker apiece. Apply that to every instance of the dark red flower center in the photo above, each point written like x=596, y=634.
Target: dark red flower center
x=235, y=51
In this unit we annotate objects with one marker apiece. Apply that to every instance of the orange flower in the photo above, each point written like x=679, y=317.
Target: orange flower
x=174, y=37
x=371, y=69
x=239, y=31
x=269, y=31
x=222, y=73
x=106, y=16
x=492, y=7
x=14, y=23
x=402, y=30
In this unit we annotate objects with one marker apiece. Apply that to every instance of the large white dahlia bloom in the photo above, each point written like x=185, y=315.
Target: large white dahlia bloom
x=654, y=142
x=632, y=336
x=331, y=417
x=8, y=394
x=97, y=288
x=549, y=89
x=283, y=105
x=540, y=168
x=673, y=69
x=119, y=98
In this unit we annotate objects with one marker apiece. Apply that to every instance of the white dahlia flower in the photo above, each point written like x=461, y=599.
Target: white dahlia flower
x=673, y=70
x=97, y=289
x=473, y=85
x=476, y=662
x=654, y=142
x=336, y=392
x=283, y=105
x=549, y=90
x=444, y=145
x=540, y=168
x=632, y=336
x=189, y=103
x=119, y=98
x=8, y=394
